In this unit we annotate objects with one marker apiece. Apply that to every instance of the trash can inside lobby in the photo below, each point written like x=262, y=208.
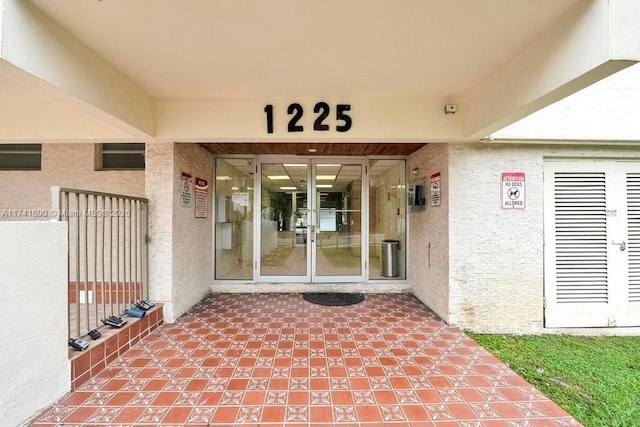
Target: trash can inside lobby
x=390, y=250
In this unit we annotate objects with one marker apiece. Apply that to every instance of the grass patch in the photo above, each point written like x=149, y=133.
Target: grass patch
x=595, y=379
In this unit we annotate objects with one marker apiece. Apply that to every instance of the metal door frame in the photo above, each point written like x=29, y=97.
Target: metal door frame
x=311, y=248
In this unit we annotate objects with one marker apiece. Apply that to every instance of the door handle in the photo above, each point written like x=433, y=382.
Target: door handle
x=312, y=233
x=622, y=243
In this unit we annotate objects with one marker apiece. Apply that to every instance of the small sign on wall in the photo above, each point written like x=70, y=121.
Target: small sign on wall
x=435, y=189
x=186, y=198
x=202, y=198
x=513, y=190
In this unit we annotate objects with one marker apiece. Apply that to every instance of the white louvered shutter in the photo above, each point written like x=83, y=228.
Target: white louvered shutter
x=592, y=244
x=580, y=207
x=630, y=307
x=576, y=242
x=633, y=244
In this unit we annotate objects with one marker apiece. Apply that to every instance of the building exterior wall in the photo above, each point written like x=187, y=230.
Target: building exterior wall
x=473, y=263
x=180, y=250
x=608, y=110
x=192, y=237
x=159, y=188
x=429, y=254
x=496, y=256
x=63, y=165
x=34, y=363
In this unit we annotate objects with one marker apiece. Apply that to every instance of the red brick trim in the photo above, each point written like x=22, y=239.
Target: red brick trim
x=113, y=343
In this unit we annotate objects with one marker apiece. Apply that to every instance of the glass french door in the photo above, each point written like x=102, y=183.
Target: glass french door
x=311, y=221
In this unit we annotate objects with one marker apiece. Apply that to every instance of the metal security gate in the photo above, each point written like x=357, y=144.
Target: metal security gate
x=107, y=264
x=592, y=244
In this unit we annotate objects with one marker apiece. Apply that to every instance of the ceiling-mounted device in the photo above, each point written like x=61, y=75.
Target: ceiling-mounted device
x=451, y=108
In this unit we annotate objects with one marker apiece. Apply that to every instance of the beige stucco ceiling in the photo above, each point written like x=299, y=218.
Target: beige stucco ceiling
x=207, y=70
x=222, y=49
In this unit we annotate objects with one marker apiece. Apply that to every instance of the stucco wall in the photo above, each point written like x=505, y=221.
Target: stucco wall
x=159, y=188
x=607, y=110
x=34, y=363
x=429, y=233
x=496, y=256
x=192, y=237
x=64, y=165
x=180, y=257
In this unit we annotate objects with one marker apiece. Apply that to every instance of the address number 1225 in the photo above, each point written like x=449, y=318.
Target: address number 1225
x=322, y=111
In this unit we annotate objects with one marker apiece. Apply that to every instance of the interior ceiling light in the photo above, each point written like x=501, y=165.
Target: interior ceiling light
x=295, y=165
x=324, y=186
x=312, y=150
x=276, y=177
x=325, y=177
x=288, y=188
x=331, y=165
x=223, y=178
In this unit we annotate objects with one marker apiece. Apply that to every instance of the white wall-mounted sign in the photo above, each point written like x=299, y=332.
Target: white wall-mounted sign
x=186, y=198
x=202, y=197
x=513, y=190
x=435, y=189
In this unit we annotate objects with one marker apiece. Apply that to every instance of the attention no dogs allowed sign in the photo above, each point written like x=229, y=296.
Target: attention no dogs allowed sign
x=513, y=190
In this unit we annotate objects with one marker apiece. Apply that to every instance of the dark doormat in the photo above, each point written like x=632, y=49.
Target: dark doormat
x=332, y=298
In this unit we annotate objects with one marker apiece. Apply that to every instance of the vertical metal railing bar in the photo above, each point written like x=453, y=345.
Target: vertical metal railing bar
x=125, y=284
x=127, y=214
x=106, y=286
x=136, y=227
x=77, y=250
x=141, y=244
x=124, y=255
x=141, y=247
x=65, y=207
x=102, y=256
x=134, y=249
x=118, y=258
x=94, y=285
x=122, y=259
x=123, y=227
x=84, y=214
x=134, y=213
x=69, y=250
x=145, y=252
x=111, y=256
x=77, y=260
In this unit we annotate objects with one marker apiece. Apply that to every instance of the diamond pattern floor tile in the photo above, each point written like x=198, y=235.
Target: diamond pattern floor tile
x=275, y=359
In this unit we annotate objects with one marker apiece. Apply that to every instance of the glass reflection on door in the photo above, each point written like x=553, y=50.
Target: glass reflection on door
x=234, y=219
x=284, y=219
x=338, y=220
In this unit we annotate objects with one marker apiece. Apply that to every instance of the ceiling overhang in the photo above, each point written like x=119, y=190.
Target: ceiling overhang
x=314, y=148
x=208, y=70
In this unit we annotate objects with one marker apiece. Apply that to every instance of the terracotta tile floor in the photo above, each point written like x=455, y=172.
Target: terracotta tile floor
x=275, y=359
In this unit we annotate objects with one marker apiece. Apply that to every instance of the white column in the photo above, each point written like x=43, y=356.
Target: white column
x=159, y=191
